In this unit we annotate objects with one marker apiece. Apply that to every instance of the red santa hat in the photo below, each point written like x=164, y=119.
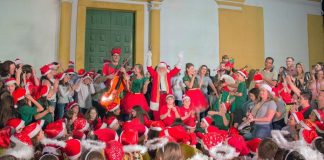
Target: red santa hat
x=55, y=129
x=111, y=121
x=115, y=51
x=18, y=94
x=87, y=75
x=24, y=147
x=135, y=124
x=253, y=144
x=238, y=142
x=112, y=107
x=16, y=123
x=298, y=116
x=32, y=129
x=223, y=151
x=233, y=131
x=106, y=135
x=52, y=145
x=60, y=76
x=129, y=138
x=243, y=72
x=70, y=71
x=44, y=91
x=54, y=65
x=81, y=72
x=207, y=120
x=257, y=78
x=212, y=139
x=156, y=143
x=268, y=88
x=100, y=125
x=80, y=124
x=73, y=149
x=114, y=151
x=93, y=145
x=71, y=105
x=185, y=97
x=10, y=81
x=18, y=61
x=71, y=64
x=319, y=114
x=78, y=135
x=157, y=126
x=191, y=124
x=177, y=133
x=229, y=64
x=307, y=135
x=45, y=70
x=163, y=64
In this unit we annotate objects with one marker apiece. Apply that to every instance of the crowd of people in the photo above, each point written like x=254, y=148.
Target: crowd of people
x=132, y=113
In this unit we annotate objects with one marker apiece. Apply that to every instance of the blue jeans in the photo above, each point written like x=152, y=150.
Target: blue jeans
x=259, y=131
x=59, y=110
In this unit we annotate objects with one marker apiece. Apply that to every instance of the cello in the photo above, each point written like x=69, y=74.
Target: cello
x=117, y=85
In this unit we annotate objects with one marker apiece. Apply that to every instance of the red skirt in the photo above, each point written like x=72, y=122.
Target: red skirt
x=198, y=99
x=133, y=99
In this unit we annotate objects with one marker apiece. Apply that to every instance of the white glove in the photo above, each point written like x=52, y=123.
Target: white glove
x=180, y=59
x=149, y=58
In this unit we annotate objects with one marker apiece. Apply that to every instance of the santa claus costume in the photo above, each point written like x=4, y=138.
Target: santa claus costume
x=137, y=89
x=161, y=82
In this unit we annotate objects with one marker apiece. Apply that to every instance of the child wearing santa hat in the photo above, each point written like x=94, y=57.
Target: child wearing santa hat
x=10, y=85
x=43, y=100
x=169, y=112
x=84, y=90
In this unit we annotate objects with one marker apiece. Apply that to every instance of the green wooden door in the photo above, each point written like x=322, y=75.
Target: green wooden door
x=105, y=30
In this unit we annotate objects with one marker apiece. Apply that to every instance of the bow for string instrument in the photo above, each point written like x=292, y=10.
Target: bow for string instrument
x=117, y=85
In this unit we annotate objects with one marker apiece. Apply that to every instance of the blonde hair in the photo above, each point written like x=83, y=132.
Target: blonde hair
x=171, y=151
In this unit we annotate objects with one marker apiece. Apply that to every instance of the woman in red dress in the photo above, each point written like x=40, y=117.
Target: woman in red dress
x=137, y=87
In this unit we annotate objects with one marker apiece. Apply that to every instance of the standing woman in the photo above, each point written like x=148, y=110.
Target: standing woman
x=265, y=111
x=299, y=78
x=65, y=94
x=315, y=84
x=204, y=81
x=198, y=99
x=7, y=110
x=137, y=87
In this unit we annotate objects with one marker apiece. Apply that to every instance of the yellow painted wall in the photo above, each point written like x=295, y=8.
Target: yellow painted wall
x=315, y=39
x=241, y=35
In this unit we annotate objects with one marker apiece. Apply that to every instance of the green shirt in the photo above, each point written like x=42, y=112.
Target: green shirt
x=138, y=84
x=218, y=120
x=240, y=100
x=27, y=113
x=48, y=118
x=188, y=79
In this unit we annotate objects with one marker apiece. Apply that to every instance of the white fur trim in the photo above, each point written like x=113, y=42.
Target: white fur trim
x=156, y=143
x=41, y=123
x=116, y=137
x=229, y=151
x=199, y=156
x=17, y=141
x=162, y=65
x=113, y=123
x=135, y=148
x=47, y=141
x=301, y=136
x=204, y=120
x=10, y=82
x=61, y=134
x=317, y=114
x=103, y=125
x=309, y=153
x=156, y=128
x=278, y=137
x=21, y=98
x=318, y=129
x=75, y=157
x=47, y=72
x=93, y=145
x=296, y=118
x=85, y=127
x=21, y=152
x=41, y=158
x=242, y=74
x=154, y=106
x=115, y=108
x=35, y=131
x=146, y=130
x=20, y=125
x=166, y=133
